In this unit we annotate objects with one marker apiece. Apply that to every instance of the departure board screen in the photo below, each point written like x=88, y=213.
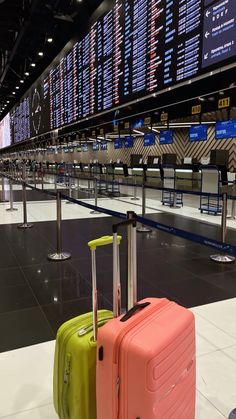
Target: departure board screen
x=133, y=50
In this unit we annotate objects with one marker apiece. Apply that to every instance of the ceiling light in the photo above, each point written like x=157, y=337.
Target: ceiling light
x=26, y=73
x=49, y=40
x=8, y=101
x=202, y=99
x=40, y=54
x=17, y=87
x=21, y=81
x=32, y=64
x=13, y=93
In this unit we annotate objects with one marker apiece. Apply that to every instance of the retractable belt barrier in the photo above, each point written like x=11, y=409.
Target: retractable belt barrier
x=215, y=244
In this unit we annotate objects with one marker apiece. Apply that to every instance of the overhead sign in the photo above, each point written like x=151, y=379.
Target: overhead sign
x=224, y=103
x=164, y=117
x=196, y=110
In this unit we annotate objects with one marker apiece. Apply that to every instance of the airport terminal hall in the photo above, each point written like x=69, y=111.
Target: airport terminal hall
x=118, y=209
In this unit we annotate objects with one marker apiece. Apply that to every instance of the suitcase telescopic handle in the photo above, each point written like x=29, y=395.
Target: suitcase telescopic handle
x=131, y=223
x=103, y=241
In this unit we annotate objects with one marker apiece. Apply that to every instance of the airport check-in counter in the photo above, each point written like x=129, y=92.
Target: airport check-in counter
x=188, y=177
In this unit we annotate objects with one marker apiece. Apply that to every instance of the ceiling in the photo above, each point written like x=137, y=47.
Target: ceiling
x=25, y=26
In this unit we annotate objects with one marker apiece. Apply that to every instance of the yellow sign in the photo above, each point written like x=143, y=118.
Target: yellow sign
x=164, y=117
x=196, y=110
x=224, y=103
x=127, y=125
x=147, y=121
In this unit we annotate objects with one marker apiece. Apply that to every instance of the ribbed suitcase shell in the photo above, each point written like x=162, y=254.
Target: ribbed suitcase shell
x=148, y=369
x=74, y=380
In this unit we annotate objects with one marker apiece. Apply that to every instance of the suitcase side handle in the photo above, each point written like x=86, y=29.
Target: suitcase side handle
x=133, y=311
x=103, y=241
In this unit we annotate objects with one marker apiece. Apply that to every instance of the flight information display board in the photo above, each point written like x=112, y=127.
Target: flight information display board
x=166, y=137
x=225, y=129
x=135, y=49
x=149, y=139
x=198, y=133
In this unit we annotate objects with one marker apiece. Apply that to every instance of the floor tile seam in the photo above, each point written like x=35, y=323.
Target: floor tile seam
x=217, y=350
x=74, y=300
x=213, y=324
x=212, y=404
x=39, y=305
x=26, y=410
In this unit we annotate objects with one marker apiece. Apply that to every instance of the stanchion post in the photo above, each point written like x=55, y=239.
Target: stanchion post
x=11, y=198
x=233, y=214
x=34, y=174
x=55, y=182
x=42, y=179
x=59, y=256
x=3, y=191
x=135, y=198
x=95, y=196
x=222, y=258
x=143, y=228
x=70, y=191
x=24, y=198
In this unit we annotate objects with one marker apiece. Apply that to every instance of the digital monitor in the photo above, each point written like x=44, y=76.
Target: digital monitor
x=95, y=146
x=5, y=132
x=85, y=147
x=118, y=143
x=129, y=142
x=149, y=139
x=166, y=137
x=198, y=133
x=225, y=129
x=103, y=146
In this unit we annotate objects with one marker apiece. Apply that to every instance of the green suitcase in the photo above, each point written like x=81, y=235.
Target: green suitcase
x=74, y=379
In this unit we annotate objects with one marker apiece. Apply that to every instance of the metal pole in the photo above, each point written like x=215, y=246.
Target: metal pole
x=222, y=258
x=3, y=191
x=132, y=265
x=96, y=197
x=42, y=180
x=143, y=229
x=233, y=214
x=94, y=302
x=24, y=197
x=135, y=198
x=55, y=182
x=59, y=255
x=70, y=191
x=35, y=184
x=11, y=199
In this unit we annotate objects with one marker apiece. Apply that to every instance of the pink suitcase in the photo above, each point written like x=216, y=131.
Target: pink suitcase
x=146, y=365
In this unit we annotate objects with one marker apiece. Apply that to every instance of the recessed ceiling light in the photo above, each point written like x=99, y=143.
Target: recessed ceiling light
x=13, y=93
x=40, y=53
x=26, y=73
x=21, y=81
x=17, y=87
x=8, y=101
x=49, y=40
x=32, y=64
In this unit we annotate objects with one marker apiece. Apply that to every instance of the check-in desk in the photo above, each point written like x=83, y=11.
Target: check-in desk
x=188, y=178
x=154, y=177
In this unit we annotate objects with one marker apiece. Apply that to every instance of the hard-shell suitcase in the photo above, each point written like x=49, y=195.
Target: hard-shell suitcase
x=74, y=381
x=146, y=365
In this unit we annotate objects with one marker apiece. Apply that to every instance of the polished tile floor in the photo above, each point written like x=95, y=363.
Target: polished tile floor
x=27, y=395
x=37, y=296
